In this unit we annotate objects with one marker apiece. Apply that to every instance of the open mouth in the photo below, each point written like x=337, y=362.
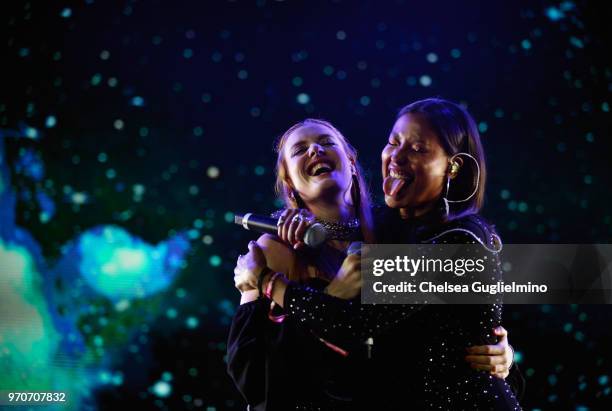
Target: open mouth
x=399, y=174
x=320, y=168
x=396, y=182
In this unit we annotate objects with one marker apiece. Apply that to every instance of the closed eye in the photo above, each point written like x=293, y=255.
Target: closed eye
x=392, y=142
x=298, y=150
x=326, y=141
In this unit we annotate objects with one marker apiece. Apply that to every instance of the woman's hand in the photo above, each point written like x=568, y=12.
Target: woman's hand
x=497, y=359
x=248, y=268
x=347, y=283
x=292, y=225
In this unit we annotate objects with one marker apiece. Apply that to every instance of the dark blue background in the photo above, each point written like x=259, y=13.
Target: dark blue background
x=201, y=84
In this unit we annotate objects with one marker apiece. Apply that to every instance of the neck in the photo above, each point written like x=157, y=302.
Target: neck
x=409, y=213
x=335, y=211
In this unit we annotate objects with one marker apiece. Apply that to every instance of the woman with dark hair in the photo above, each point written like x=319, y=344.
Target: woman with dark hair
x=433, y=145
x=447, y=135
x=280, y=365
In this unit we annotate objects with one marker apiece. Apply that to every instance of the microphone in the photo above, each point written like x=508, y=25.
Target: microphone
x=314, y=236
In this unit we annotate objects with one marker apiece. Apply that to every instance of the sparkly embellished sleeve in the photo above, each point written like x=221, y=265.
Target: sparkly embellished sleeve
x=346, y=323
x=246, y=361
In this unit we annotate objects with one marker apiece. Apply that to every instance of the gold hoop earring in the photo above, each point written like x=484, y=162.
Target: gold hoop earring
x=455, y=168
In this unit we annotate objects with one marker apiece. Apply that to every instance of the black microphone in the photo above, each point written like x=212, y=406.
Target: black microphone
x=314, y=236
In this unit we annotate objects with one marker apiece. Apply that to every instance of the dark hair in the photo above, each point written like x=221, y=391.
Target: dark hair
x=458, y=133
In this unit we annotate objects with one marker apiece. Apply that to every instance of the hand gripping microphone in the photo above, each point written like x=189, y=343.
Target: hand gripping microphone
x=314, y=237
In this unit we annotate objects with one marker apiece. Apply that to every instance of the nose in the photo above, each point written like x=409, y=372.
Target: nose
x=399, y=156
x=315, y=148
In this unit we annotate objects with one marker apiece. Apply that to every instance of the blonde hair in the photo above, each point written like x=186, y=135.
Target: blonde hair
x=359, y=193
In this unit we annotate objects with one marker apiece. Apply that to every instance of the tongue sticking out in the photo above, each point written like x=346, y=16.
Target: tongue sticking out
x=391, y=185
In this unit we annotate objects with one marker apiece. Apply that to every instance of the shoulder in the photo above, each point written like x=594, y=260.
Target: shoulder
x=470, y=229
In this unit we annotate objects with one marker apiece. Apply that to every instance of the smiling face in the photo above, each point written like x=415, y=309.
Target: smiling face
x=317, y=163
x=414, y=165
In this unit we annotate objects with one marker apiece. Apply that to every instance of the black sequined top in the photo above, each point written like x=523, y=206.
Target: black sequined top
x=416, y=351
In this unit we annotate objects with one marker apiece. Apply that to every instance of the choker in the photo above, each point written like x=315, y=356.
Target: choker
x=349, y=230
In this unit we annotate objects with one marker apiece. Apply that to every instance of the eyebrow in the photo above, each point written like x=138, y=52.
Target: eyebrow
x=418, y=140
x=319, y=138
